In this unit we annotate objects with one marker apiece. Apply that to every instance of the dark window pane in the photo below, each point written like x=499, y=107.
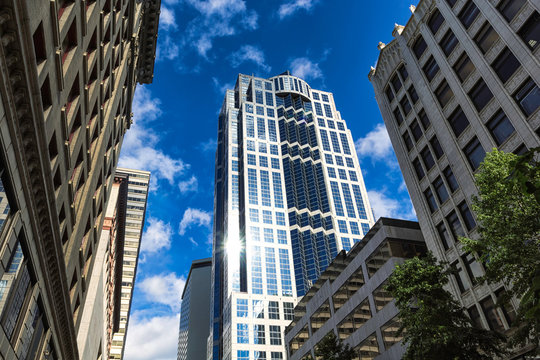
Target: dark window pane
x=455, y=225
x=436, y=146
x=444, y=236
x=427, y=158
x=450, y=179
x=492, y=315
x=480, y=95
x=448, y=42
x=444, y=93
x=431, y=68
x=530, y=31
x=451, y=2
x=458, y=121
x=389, y=94
x=403, y=72
x=440, y=189
x=418, y=169
x=467, y=216
x=520, y=150
x=405, y=105
x=413, y=94
x=506, y=307
x=398, y=116
x=475, y=153
x=407, y=140
x=424, y=119
x=430, y=200
x=396, y=83
x=464, y=67
x=416, y=130
x=435, y=21
x=461, y=277
x=419, y=47
x=486, y=37
x=500, y=127
x=505, y=65
x=468, y=14
x=528, y=97
x=474, y=314
x=509, y=8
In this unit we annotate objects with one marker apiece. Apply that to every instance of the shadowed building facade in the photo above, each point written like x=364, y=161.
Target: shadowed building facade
x=460, y=79
x=69, y=71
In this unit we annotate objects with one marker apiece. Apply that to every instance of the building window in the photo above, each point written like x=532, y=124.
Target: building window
x=419, y=47
x=475, y=153
x=468, y=14
x=276, y=355
x=428, y=194
x=389, y=95
x=242, y=308
x=480, y=95
x=500, y=127
x=273, y=310
x=444, y=93
x=448, y=42
x=461, y=277
x=258, y=335
x=424, y=119
x=464, y=67
x=275, y=335
x=242, y=354
x=416, y=130
x=450, y=179
x=486, y=37
x=413, y=94
x=418, y=169
x=507, y=308
x=381, y=296
x=431, y=68
x=458, y=121
x=474, y=314
x=320, y=317
x=403, y=72
x=435, y=21
x=407, y=140
x=258, y=308
x=440, y=189
x=398, y=116
x=369, y=348
x=467, y=216
x=451, y=2
x=505, y=65
x=427, y=158
x=528, y=97
x=288, y=311
x=510, y=8
x=492, y=315
x=405, y=105
x=444, y=236
x=436, y=146
x=389, y=333
x=530, y=31
x=455, y=226
x=242, y=334
x=396, y=83
x=472, y=266
x=354, y=320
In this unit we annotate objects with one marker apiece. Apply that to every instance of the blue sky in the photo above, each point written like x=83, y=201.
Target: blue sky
x=202, y=46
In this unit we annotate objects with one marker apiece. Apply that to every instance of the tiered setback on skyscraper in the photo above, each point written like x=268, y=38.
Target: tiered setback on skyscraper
x=69, y=70
x=350, y=299
x=289, y=195
x=460, y=79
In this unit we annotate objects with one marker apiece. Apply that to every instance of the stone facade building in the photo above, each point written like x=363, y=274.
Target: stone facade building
x=69, y=70
x=460, y=79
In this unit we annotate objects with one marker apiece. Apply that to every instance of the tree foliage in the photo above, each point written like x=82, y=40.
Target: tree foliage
x=508, y=213
x=434, y=325
x=332, y=348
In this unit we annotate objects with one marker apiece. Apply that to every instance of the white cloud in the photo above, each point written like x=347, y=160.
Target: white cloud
x=167, y=49
x=163, y=289
x=156, y=237
x=140, y=145
x=222, y=88
x=376, y=145
x=209, y=145
x=289, y=8
x=194, y=217
x=305, y=68
x=384, y=206
x=153, y=338
x=189, y=185
x=248, y=53
x=167, y=19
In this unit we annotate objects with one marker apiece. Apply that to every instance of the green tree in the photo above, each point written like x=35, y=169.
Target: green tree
x=435, y=325
x=332, y=348
x=508, y=214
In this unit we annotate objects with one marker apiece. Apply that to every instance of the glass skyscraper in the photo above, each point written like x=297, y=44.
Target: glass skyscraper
x=289, y=195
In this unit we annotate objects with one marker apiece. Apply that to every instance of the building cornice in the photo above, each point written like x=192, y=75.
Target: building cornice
x=147, y=40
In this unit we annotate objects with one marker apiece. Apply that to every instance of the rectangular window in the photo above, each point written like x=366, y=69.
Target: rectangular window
x=254, y=215
x=271, y=275
x=280, y=218
x=389, y=94
x=267, y=216
x=505, y=65
x=528, y=97
x=413, y=94
x=436, y=146
x=448, y=42
x=258, y=334
x=403, y=72
x=475, y=153
x=480, y=95
x=467, y=216
x=440, y=189
x=464, y=67
x=288, y=311
x=416, y=130
x=398, y=116
x=269, y=235
x=500, y=127
x=242, y=308
x=431, y=68
x=407, y=140
x=424, y=119
x=281, y=236
x=418, y=169
x=444, y=236
x=427, y=158
x=242, y=334
x=396, y=83
x=492, y=315
x=450, y=179
x=458, y=121
x=474, y=314
x=435, y=21
x=461, y=277
x=419, y=47
x=258, y=307
x=273, y=310
x=337, y=198
x=242, y=354
x=444, y=93
x=530, y=31
x=276, y=355
x=468, y=14
x=389, y=332
x=275, y=335
x=486, y=37
x=455, y=226
x=510, y=8
x=430, y=199
x=405, y=105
